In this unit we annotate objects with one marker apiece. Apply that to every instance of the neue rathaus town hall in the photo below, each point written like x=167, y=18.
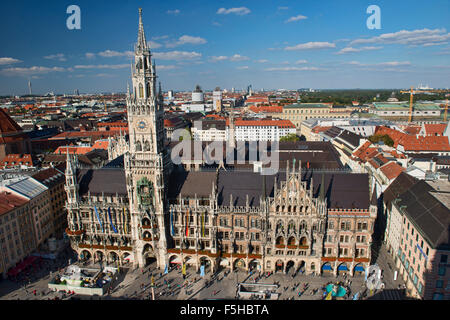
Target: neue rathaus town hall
x=311, y=215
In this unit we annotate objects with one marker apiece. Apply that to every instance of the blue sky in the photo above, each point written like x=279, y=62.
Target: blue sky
x=269, y=44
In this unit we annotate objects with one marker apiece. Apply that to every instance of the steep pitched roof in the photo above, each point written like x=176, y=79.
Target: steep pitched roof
x=7, y=124
x=392, y=170
x=397, y=187
x=427, y=213
x=108, y=181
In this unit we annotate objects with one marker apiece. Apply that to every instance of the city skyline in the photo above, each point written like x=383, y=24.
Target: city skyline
x=226, y=44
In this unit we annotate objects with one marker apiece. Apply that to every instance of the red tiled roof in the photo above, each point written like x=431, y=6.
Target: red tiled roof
x=412, y=129
x=101, y=144
x=435, y=129
x=318, y=129
x=9, y=201
x=392, y=170
x=215, y=116
x=267, y=123
x=413, y=143
x=85, y=134
x=93, y=115
x=73, y=150
x=18, y=159
x=271, y=109
x=120, y=124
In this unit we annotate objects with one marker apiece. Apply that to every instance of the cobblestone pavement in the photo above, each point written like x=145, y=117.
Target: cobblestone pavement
x=136, y=284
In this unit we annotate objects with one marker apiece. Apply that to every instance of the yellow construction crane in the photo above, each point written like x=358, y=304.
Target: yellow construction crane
x=412, y=92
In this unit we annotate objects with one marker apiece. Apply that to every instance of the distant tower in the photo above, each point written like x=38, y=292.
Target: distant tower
x=29, y=88
x=197, y=95
x=217, y=99
x=231, y=133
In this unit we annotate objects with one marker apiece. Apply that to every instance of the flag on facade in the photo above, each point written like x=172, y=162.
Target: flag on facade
x=172, y=231
x=203, y=224
x=125, y=219
x=202, y=271
x=187, y=223
x=166, y=270
x=153, y=281
x=98, y=218
x=183, y=269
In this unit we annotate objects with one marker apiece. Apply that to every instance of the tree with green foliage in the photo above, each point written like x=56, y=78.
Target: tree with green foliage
x=385, y=138
x=290, y=137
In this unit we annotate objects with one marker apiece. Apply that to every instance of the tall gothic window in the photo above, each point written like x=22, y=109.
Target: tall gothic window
x=147, y=146
x=148, y=89
x=141, y=91
x=138, y=146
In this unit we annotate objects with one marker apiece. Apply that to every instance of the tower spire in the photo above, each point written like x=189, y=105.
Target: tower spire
x=142, y=42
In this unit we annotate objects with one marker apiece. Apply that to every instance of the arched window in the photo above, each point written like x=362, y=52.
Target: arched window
x=138, y=146
x=141, y=91
x=302, y=227
x=146, y=146
x=148, y=89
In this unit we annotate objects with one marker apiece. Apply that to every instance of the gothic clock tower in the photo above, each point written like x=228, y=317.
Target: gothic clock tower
x=147, y=162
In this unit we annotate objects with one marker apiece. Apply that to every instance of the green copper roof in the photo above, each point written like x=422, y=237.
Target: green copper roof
x=307, y=105
x=402, y=106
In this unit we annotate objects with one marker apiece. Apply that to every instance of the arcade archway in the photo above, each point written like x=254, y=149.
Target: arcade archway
x=279, y=266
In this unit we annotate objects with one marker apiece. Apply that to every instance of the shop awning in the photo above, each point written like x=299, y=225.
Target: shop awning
x=177, y=260
x=342, y=267
x=359, y=268
x=327, y=267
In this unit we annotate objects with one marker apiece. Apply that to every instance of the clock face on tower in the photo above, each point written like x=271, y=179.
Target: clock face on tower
x=142, y=124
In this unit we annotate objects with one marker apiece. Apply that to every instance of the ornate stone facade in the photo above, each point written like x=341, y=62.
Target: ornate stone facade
x=232, y=218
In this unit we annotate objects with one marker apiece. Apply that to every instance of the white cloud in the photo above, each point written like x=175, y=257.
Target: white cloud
x=239, y=11
x=351, y=49
x=186, y=40
x=424, y=37
x=300, y=61
x=235, y=57
x=7, y=60
x=293, y=69
x=154, y=45
x=238, y=57
x=282, y=8
x=58, y=56
x=112, y=53
x=105, y=75
x=296, y=18
x=262, y=61
x=218, y=58
x=394, y=63
x=242, y=67
x=174, y=12
x=176, y=55
x=380, y=64
x=90, y=55
x=165, y=67
x=311, y=45
x=31, y=71
x=160, y=37
x=102, y=66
